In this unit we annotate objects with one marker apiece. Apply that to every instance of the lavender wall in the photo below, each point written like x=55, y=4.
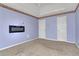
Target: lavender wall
x=77, y=27
x=51, y=28
x=7, y=18
x=71, y=27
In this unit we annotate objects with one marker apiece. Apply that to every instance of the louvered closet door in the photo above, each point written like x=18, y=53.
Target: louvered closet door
x=42, y=32
x=61, y=28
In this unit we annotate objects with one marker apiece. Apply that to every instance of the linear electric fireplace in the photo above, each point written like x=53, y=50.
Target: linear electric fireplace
x=16, y=29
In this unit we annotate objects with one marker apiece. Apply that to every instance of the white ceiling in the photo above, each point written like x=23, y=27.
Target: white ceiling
x=55, y=8
x=43, y=9
x=29, y=8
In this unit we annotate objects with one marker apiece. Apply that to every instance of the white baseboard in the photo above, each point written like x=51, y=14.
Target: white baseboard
x=57, y=40
x=34, y=39
x=17, y=44
x=77, y=45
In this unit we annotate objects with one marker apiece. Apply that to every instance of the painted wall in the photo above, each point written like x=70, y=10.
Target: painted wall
x=77, y=27
x=71, y=27
x=51, y=28
x=7, y=18
x=59, y=28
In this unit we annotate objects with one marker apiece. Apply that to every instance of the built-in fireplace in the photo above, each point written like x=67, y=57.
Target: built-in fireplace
x=16, y=29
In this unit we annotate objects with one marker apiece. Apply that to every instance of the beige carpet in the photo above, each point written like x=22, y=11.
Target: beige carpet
x=43, y=47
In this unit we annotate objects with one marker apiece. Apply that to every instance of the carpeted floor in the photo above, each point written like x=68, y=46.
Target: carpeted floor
x=43, y=47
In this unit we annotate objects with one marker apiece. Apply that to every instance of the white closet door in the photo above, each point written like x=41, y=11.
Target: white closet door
x=61, y=28
x=42, y=29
